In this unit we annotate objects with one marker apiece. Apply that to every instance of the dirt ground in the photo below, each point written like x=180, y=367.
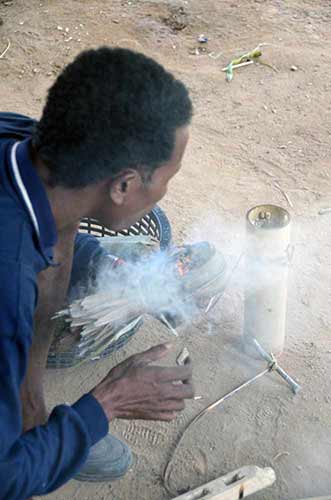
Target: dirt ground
x=264, y=132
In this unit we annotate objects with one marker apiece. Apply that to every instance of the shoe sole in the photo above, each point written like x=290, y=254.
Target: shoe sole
x=104, y=478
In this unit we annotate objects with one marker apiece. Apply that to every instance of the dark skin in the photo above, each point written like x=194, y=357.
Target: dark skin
x=134, y=389
x=52, y=285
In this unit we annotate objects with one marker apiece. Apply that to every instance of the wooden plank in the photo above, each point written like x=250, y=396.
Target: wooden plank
x=233, y=486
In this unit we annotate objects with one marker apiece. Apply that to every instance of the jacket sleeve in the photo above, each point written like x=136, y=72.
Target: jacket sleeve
x=15, y=126
x=41, y=460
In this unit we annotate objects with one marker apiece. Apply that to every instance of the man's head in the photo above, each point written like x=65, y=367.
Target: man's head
x=117, y=119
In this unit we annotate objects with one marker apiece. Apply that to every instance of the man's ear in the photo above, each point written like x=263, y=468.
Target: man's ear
x=124, y=187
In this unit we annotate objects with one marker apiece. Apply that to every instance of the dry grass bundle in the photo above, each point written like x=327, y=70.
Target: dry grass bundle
x=178, y=282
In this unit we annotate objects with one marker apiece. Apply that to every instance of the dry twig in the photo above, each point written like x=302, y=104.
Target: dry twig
x=281, y=454
x=247, y=63
x=286, y=196
x=2, y=55
x=169, y=325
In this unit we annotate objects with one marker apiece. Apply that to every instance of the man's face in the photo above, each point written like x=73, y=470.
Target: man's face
x=128, y=198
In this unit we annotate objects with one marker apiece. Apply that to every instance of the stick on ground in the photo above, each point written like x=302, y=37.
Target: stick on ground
x=286, y=196
x=2, y=55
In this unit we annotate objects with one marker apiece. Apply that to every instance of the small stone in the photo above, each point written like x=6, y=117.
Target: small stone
x=274, y=111
x=116, y=21
x=202, y=39
x=294, y=68
x=21, y=23
x=283, y=146
x=67, y=30
x=59, y=28
x=265, y=107
x=36, y=70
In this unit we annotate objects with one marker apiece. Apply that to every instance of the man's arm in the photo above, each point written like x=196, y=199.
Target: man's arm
x=52, y=286
x=44, y=458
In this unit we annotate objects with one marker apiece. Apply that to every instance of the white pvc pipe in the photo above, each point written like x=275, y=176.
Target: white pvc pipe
x=267, y=260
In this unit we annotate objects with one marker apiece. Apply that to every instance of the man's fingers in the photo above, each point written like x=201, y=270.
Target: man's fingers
x=171, y=405
x=164, y=405
x=178, y=391
x=165, y=416
x=171, y=374
x=153, y=354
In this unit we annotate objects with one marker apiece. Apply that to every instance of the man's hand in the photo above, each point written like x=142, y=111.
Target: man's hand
x=136, y=390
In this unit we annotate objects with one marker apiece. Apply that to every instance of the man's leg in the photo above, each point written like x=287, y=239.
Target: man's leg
x=77, y=255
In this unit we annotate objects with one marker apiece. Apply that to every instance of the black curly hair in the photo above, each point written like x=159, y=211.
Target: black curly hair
x=110, y=109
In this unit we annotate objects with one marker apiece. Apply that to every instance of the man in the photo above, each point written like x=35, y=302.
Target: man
x=112, y=135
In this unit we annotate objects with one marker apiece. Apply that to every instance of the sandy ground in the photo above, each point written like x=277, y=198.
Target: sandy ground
x=264, y=128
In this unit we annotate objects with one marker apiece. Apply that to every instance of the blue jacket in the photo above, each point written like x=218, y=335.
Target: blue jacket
x=41, y=460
